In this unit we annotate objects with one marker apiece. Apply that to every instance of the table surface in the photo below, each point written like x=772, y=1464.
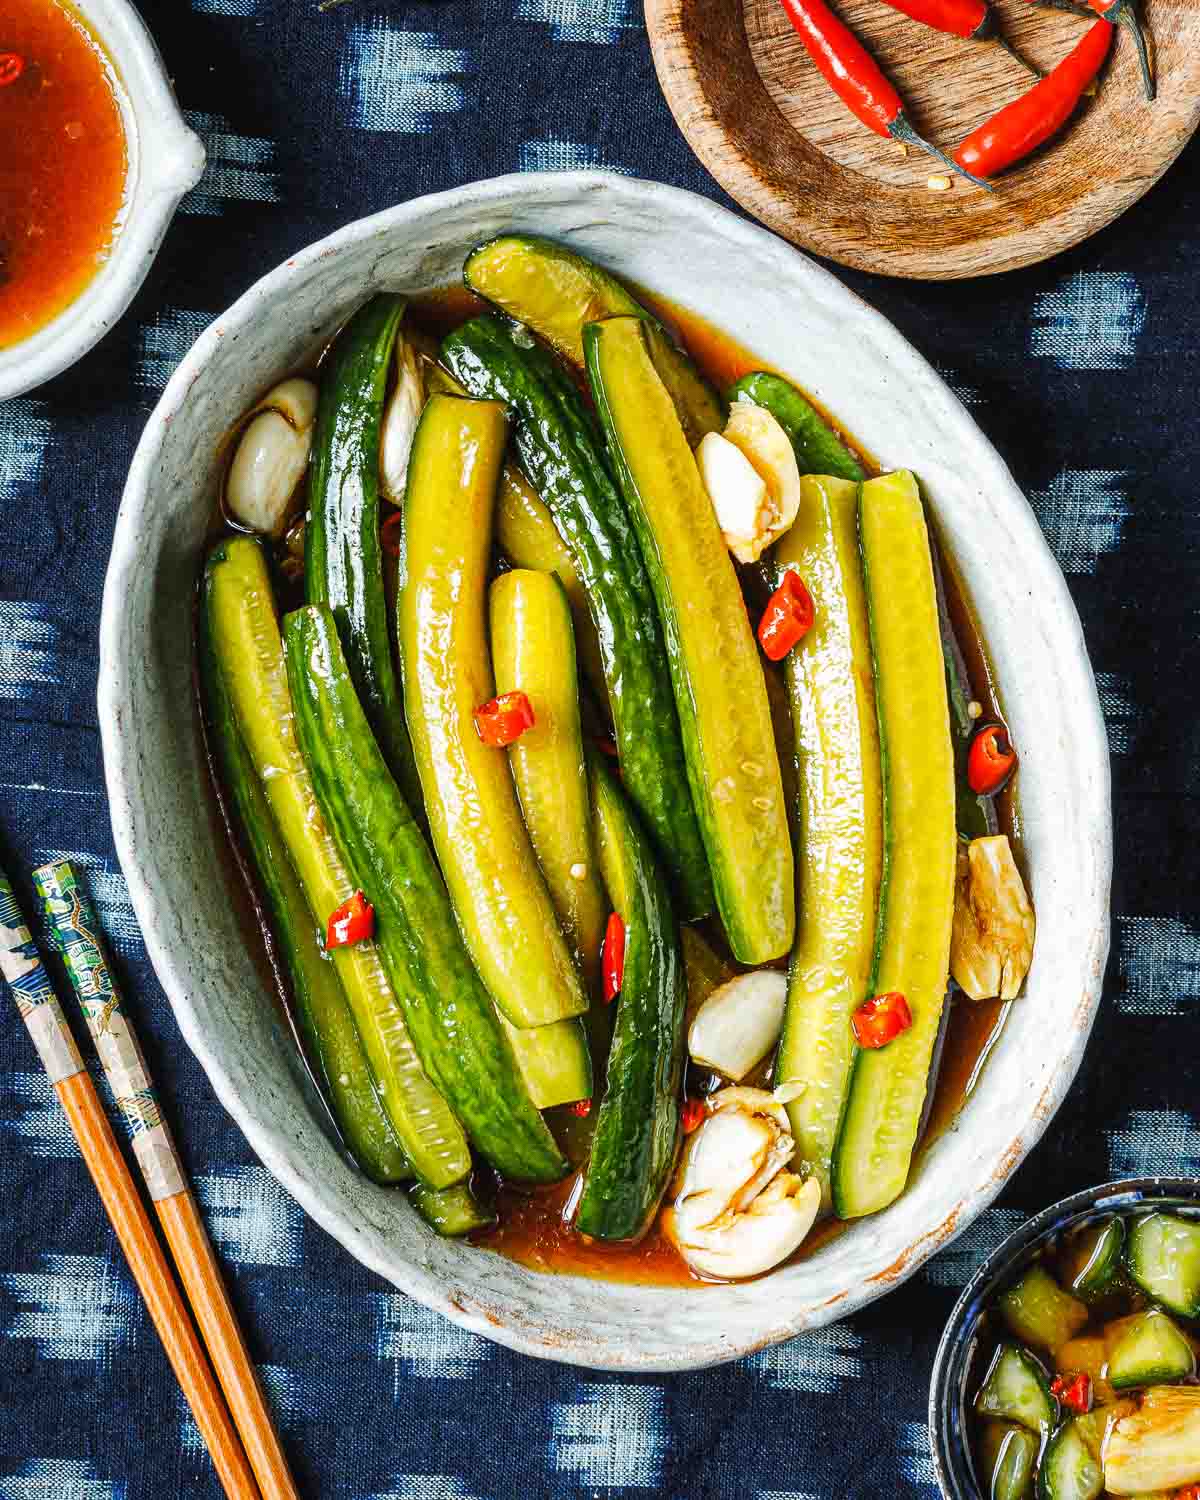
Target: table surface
x=1083, y=371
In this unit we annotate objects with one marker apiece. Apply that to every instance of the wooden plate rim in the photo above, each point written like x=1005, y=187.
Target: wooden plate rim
x=749, y=183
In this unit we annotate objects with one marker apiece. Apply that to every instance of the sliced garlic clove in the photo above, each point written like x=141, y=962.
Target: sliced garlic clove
x=739, y=1023
x=991, y=944
x=738, y=493
x=400, y=419
x=269, y=463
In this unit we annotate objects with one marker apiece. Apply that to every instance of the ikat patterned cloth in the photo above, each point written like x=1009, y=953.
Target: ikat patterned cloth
x=1084, y=371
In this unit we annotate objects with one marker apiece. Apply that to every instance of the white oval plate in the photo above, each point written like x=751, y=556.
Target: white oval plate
x=799, y=318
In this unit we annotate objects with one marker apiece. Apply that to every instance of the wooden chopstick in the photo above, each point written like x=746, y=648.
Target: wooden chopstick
x=39, y=1009
x=77, y=937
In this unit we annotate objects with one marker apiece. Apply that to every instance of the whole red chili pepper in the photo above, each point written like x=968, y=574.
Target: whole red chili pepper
x=612, y=957
x=1075, y=1392
x=12, y=65
x=787, y=618
x=1022, y=126
x=351, y=922
x=856, y=78
x=991, y=760
x=502, y=720
x=967, y=18
x=881, y=1020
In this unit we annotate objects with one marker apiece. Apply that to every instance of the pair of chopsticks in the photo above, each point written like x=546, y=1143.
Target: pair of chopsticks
x=241, y=1436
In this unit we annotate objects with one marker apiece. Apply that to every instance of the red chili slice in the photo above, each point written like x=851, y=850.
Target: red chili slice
x=693, y=1115
x=502, y=720
x=787, y=618
x=351, y=922
x=582, y=1108
x=12, y=65
x=881, y=1020
x=612, y=957
x=389, y=533
x=991, y=760
x=1075, y=1392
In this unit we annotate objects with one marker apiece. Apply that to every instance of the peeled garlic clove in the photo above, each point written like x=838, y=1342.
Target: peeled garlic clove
x=991, y=944
x=769, y=449
x=400, y=419
x=271, y=458
x=726, y=1154
x=738, y=494
x=774, y=1226
x=739, y=1023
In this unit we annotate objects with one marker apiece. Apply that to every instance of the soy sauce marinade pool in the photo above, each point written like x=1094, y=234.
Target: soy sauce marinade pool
x=532, y=1226
x=1084, y=1384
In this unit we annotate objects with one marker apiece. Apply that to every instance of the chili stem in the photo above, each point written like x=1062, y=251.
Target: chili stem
x=1127, y=17
x=901, y=130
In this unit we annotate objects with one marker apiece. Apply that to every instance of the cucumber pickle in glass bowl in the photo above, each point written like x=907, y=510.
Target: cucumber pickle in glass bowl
x=541, y=620
x=1068, y=1369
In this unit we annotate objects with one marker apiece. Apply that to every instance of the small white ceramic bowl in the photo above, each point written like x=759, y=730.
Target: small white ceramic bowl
x=799, y=318
x=165, y=159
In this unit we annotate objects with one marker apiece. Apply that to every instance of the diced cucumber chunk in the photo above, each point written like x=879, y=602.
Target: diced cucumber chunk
x=451, y=1211
x=1163, y=1257
x=1039, y=1312
x=1009, y=1461
x=1017, y=1390
x=1151, y=1351
x=1093, y=1426
x=1069, y=1471
x=1096, y=1257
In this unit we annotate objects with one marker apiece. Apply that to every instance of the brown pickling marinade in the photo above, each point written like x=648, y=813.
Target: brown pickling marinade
x=62, y=165
x=533, y=1227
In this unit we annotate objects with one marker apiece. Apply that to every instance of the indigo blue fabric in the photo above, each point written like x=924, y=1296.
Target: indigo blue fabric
x=1084, y=371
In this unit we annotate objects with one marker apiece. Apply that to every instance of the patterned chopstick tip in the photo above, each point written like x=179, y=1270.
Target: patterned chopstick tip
x=37, y=1003
x=77, y=936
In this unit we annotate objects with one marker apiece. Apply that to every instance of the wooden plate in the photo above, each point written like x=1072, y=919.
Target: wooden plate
x=764, y=122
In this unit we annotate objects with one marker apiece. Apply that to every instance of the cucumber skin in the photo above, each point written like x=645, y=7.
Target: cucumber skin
x=832, y=703
x=1147, y=1278
x=700, y=408
x=817, y=447
x=846, y=1198
x=504, y=910
x=533, y=649
x=449, y=1013
x=343, y=557
x=729, y=741
x=1088, y=1485
x=637, y=1131
x=561, y=451
x=451, y=1211
x=245, y=629
x=330, y=1038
